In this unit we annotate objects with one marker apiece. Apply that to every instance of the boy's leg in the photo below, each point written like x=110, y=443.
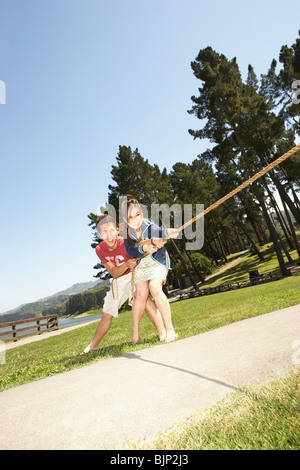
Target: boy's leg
x=114, y=299
x=102, y=328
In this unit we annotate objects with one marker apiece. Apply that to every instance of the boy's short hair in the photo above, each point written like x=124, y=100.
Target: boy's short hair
x=105, y=219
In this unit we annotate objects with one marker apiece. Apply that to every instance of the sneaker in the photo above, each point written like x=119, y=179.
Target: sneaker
x=171, y=336
x=87, y=350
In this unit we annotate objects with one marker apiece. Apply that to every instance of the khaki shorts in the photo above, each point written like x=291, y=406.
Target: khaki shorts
x=120, y=291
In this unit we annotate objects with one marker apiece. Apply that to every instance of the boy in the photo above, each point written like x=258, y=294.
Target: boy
x=118, y=263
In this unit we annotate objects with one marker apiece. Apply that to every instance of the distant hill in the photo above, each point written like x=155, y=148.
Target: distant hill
x=77, y=288
x=51, y=303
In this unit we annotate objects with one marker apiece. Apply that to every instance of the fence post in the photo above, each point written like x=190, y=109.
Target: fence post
x=2, y=352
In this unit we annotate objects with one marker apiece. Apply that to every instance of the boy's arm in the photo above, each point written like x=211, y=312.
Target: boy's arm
x=116, y=271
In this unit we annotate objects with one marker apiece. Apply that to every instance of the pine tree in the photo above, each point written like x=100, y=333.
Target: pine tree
x=238, y=118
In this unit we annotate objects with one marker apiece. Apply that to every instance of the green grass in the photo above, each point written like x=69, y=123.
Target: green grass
x=61, y=353
x=212, y=311
x=249, y=262
x=263, y=417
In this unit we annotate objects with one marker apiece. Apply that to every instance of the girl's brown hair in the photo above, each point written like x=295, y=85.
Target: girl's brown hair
x=125, y=208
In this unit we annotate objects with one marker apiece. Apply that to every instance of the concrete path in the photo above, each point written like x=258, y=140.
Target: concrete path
x=138, y=395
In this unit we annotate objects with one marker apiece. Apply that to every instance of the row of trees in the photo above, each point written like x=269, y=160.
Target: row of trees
x=80, y=303
x=251, y=124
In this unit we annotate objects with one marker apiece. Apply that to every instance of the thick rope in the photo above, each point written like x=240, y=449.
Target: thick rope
x=242, y=186
x=232, y=193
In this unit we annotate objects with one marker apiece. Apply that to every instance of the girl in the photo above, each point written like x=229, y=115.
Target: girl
x=118, y=263
x=151, y=272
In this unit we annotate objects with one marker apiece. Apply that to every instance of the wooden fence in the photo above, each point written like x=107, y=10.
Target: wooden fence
x=41, y=324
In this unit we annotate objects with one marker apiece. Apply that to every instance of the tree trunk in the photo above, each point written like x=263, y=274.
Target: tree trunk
x=284, y=196
x=273, y=234
x=188, y=272
x=212, y=251
x=282, y=244
x=222, y=247
x=240, y=225
x=194, y=266
x=240, y=241
x=280, y=219
x=291, y=227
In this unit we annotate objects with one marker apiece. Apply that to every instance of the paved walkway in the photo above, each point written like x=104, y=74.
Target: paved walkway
x=138, y=395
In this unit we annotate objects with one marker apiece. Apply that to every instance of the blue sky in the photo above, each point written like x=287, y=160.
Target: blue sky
x=83, y=77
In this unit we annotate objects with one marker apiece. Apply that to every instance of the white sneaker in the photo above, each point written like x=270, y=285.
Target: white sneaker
x=87, y=350
x=171, y=336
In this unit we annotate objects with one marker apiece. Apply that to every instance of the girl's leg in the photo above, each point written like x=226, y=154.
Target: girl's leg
x=138, y=307
x=162, y=303
x=102, y=328
x=155, y=316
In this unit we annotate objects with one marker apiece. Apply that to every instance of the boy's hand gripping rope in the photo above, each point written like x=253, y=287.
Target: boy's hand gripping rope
x=232, y=193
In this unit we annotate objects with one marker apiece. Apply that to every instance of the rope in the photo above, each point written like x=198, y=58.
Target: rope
x=253, y=178
x=246, y=183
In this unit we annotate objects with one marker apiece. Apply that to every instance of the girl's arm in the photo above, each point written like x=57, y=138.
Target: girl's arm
x=158, y=236
x=162, y=233
x=157, y=242
x=157, y=232
x=141, y=249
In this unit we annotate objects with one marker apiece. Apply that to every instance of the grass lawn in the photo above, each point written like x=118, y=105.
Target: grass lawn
x=190, y=317
x=249, y=262
x=261, y=417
